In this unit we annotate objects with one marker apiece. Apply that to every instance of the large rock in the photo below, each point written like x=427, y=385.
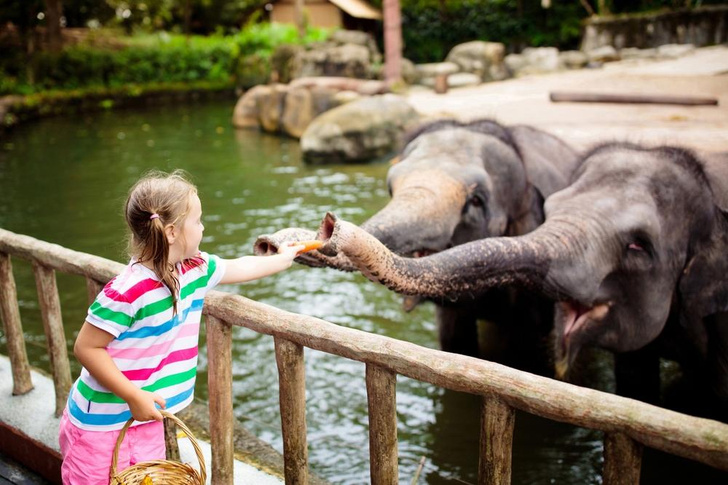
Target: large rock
x=482, y=58
x=270, y=108
x=348, y=60
x=346, y=53
x=436, y=68
x=573, y=59
x=289, y=108
x=605, y=53
x=534, y=60
x=247, y=110
x=357, y=37
x=359, y=131
x=360, y=86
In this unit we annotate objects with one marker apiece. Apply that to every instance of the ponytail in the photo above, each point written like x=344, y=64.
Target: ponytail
x=155, y=202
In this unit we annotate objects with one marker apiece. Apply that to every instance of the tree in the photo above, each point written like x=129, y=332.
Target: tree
x=392, y=40
x=53, y=14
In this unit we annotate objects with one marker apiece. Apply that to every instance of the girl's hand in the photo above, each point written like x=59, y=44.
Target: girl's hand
x=142, y=406
x=291, y=250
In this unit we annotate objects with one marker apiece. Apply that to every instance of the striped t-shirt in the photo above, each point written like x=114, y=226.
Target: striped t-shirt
x=153, y=348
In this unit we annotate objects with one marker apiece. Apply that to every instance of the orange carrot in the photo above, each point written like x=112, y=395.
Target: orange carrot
x=309, y=245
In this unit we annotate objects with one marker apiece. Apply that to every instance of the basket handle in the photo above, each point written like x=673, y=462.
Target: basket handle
x=178, y=422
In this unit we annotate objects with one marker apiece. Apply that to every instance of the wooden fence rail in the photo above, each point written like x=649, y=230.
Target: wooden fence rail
x=628, y=425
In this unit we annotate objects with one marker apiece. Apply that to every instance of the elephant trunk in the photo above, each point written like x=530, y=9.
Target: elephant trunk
x=268, y=244
x=463, y=272
x=421, y=217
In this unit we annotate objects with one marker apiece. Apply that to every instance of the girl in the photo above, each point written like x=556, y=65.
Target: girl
x=138, y=346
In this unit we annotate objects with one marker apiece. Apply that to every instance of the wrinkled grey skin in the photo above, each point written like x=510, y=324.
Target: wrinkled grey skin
x=455, y=183
x=633, y=251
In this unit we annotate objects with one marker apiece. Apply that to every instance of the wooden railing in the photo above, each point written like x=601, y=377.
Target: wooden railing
x=629, y=425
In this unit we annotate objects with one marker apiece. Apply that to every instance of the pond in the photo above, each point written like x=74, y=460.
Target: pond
x=64, y=180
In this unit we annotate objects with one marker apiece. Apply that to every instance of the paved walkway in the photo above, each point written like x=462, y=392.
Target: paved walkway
x=526, y=100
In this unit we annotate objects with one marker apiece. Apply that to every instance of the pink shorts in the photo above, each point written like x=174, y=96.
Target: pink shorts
x=87, y=454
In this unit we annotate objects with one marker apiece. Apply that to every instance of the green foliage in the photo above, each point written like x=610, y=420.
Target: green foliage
x=432, y=27
x=153, y=58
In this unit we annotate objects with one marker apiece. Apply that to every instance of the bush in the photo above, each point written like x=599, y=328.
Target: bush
x=239, y=59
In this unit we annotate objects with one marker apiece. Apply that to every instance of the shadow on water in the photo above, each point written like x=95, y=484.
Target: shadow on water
x=65, y=180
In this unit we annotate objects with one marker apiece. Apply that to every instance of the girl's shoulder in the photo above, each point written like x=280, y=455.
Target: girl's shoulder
x=201, y=261
x=131, y=283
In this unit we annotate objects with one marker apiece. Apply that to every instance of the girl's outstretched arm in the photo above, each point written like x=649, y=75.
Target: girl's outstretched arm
x=90, y=350
x=250, y=268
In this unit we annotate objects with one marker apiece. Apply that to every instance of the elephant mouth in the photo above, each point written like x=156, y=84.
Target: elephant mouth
x=576, y=319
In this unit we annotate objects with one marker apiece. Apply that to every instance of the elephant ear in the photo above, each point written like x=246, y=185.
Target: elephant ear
x=531, y=214
x=703, y=285
x=715, y=166
x=548, y=160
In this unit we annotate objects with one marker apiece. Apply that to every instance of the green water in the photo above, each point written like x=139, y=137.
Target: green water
x=64, y=180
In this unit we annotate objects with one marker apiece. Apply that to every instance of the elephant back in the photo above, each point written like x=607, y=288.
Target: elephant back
x=549, y=161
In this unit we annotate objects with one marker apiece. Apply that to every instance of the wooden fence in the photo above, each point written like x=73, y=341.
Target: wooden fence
x=628, y=424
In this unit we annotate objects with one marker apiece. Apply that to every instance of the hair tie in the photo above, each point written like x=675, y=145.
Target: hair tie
x=154, y=216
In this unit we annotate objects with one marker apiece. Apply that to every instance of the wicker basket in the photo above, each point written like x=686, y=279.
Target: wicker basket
x=161, y=472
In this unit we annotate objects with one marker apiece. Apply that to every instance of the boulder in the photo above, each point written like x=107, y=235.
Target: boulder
x=436, y=68
x=409, y=73
x=630, y=53
x=247, y=113
x=573, y=59
x=673, y=51
x=534, y=60
x=270, y=108
x=361, y=86
x=482, y=58
x=348, y=60
x=288, y=109
x=357, y=37
x=457, y=80
x=298, y=112
x=605, y=53
x=358, y=131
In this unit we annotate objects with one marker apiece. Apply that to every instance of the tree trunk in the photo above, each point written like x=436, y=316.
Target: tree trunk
x=188, y=16
x=603, y=7
x=392, y=41
x=54, y=12
x=300, y=20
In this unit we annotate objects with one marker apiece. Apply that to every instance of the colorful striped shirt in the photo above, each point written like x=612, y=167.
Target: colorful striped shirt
x=153, y=347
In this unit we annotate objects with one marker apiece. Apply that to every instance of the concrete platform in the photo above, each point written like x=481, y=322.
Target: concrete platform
x=32, y=415
x=525, y=100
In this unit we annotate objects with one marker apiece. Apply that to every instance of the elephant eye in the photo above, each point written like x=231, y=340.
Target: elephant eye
x=476, y=202
x=635, y=247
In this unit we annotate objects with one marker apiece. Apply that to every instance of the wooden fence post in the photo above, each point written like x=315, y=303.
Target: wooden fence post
x=496, y=441
x=382, y=399
x=622, y=460
x=50, y=307
x=292, y=383
x=93, y=288
x=220, y=392
x=10, y=314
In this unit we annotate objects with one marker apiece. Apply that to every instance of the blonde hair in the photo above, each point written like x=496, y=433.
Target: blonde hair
x=156, y=201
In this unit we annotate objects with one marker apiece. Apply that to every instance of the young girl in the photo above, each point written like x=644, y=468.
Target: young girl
x=138, y=346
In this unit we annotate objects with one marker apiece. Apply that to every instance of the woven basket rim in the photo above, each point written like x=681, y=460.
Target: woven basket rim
x=137, y=471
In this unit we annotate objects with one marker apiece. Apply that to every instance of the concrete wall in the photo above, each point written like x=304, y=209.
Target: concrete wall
x=700, y=26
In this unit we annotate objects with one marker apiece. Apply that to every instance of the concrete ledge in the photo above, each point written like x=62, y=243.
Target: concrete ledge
x=29, y=430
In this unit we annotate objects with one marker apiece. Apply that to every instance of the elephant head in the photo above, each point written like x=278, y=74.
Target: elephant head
x=636, y=240
x=458, y=182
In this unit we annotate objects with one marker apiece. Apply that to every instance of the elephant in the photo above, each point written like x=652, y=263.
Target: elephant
x=456, y=182
x=632, y=253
